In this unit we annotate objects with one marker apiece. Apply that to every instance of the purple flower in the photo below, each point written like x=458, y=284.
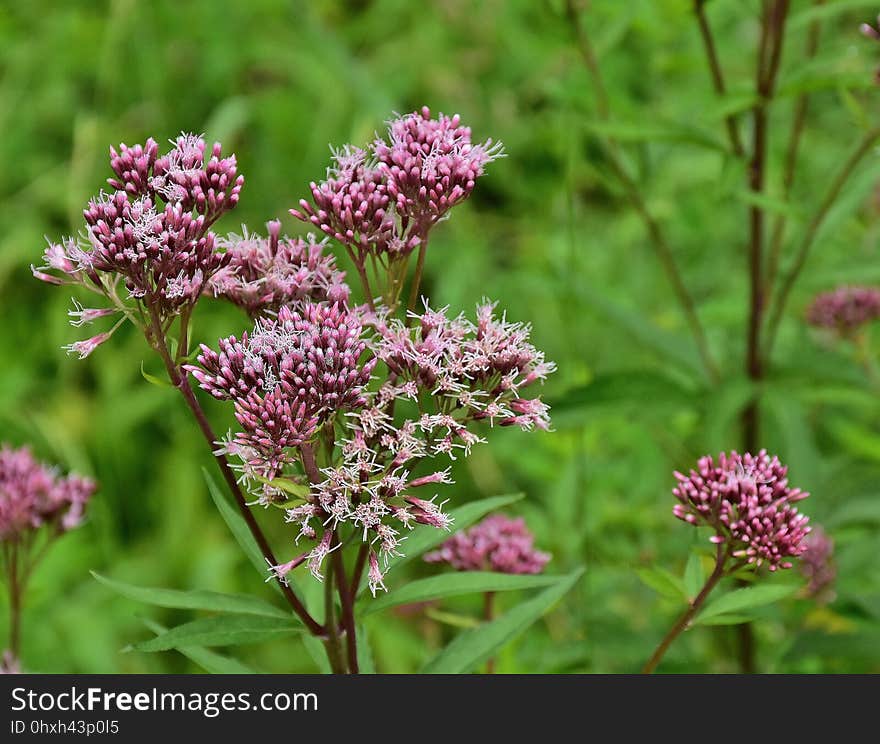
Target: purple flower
x=264, y=274
x=386, y=200
x=286, y=377
x=152, y=232
x=498, y=543
x=478, y=369
x=845, y=309
x=817, y=565
x=431, y=164
x=352, y=206
x=86, y=346
x=749, y=504
x=33, y=494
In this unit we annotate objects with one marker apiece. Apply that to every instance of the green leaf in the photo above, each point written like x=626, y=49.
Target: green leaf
x=636, y=388
x=666, y=346
x=152, y=379
x=210, y=661
x=651, y=130
x=745, y=599
x=828, y=11
x=196, y=599
x=366, y=663
x=221, y=630
x=454, y=584
x=237, y=526
x=727, y=620
x=663, y=582
x=693, y=576
x=299, y=490
x=473, y=647
x=865, y=510
x=453, y=619
x=768, y=203
x=316, y=650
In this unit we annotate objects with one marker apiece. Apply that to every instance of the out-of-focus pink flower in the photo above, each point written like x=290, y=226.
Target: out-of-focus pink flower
x=845, y=309
x=746, y=499
x=33, y=494
x=498, y=543
x=817, y=565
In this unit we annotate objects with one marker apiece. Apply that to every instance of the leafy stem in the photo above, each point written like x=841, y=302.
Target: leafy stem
x=684, y=620
x=179, y=379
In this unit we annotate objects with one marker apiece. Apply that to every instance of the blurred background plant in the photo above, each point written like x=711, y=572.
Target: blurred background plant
x=553, y=235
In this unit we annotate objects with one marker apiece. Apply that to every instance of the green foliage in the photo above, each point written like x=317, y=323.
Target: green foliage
x=472, y=647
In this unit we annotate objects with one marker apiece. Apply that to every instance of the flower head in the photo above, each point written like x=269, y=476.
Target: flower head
x=498, y=543
x=431, y=164
x=817, y=565
x=385, y=200
x=845, y=309
x=287, y=376
x=478, y=367
x=264, y=274
x=33, y=494
x=152, y=231
x=749, y=504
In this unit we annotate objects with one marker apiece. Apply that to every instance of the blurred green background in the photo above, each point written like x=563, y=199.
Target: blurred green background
x=548, y=233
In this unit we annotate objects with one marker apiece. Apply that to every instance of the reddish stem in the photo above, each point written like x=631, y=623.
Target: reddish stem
x=180, y=380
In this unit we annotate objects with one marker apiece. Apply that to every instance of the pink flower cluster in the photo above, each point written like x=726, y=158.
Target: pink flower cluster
x=845, y=309
x=498, y=543
x=376, y=500
x=288, y=376
x=817, y=565
x=33, y=495
x=264, y=274
x=152, y=232
x=384, y=201
x=749, y=504
x=475, y=370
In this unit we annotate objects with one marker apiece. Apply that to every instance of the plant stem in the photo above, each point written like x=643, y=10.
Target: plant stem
x=717, y=76
x=180, y=380
x=365, y=280
x=812, y=230
x=655, y=234
x=791, y=154
x=688, y=615
x=15, y=592
x=586, y=50
x=309, y=463
x=331, y=643
x=488, y=616
x=359, y=565
x=417, y=277
x=767, y=69
x=348, y=621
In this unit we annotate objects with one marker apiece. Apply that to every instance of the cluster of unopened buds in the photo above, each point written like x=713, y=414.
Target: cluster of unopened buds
x=37, y=505
x=748, y=503
x=147, y=247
